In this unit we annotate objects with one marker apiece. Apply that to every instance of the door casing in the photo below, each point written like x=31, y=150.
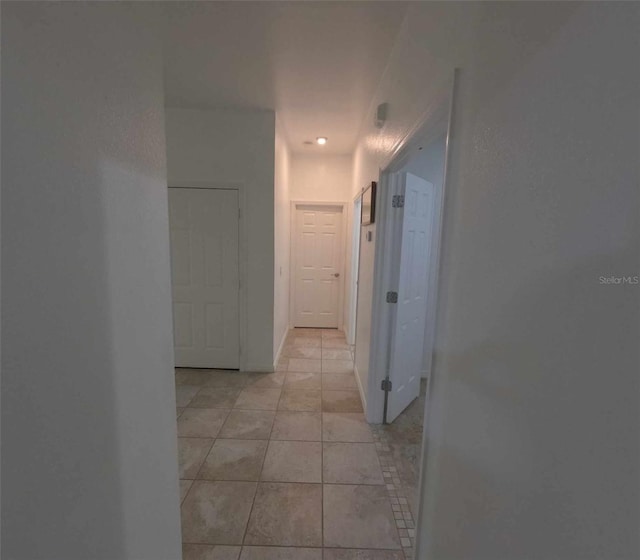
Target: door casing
x=352, y=319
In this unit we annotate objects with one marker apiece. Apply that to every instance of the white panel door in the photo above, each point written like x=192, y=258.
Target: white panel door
x=205, y=274
x=318, y=260
x=408, y=322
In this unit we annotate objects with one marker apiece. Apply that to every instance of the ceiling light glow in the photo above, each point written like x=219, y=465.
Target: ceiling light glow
x=321, y=140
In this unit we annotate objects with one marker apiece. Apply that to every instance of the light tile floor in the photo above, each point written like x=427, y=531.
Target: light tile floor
x=283, y=466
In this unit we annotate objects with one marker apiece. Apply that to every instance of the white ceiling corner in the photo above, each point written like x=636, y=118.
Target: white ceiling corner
x=317, y=64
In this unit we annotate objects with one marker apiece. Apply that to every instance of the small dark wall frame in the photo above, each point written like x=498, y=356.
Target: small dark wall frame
x=369, y=204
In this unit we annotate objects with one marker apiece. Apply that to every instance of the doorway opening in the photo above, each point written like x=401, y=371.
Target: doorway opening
x=405, y=295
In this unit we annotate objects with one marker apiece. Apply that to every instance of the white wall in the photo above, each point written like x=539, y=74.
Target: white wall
x=361, y=177
x=89, y=458
x=282, y=240
x=364, y=308
x=533, y=423
x=236, y=147
x=321, y=178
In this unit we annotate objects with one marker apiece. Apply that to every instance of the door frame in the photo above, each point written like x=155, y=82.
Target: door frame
x=243, y=321
x=292, y=257
x=435, y=121
x=354, y=272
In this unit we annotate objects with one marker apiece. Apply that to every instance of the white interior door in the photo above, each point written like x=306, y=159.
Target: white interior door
x=318, y=261
x=204, y=227
x=408, y=322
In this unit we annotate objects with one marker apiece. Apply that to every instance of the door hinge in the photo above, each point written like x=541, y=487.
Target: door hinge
x=386, y=385
x=392, y=297
x=397, y=201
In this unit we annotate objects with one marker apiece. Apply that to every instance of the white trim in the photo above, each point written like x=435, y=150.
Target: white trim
x=351, y=314
x=292, y=256
x=277, y=356
x=242, y=258
x=363, y=393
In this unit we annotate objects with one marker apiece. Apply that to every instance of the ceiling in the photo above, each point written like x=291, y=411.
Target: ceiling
x=317, y=64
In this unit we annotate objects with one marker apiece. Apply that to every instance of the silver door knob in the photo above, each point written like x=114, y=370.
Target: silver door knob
x=337, y=274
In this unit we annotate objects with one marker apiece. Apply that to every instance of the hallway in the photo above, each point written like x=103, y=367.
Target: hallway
x=283, y=466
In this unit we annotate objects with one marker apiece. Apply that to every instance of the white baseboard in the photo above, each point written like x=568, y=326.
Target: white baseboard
x=363, y=395
x=277, y=357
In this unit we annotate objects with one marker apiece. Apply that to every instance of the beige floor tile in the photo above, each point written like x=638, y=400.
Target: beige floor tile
x=280, y=553
x=350, y=463
x=184, y=394
x=361, y=554
x=266, y=380
x=283, y=364
x=338, y=381
x=297, y=426
x=217, y=512
x=345, y=426
x=191, y=376
x=215, y=397
x=234, y=459
x=304, y=365
x=258, y=399
x=201, y=422
x=184, y=488
x=306, y=352
x=337, y=366
x=293, y=461
x=286, y=515
x=336, y=354
x=191, y=455
x=358, y=517
x=305, y=331
x=179, y=411
x=341, y=401
x=306, y=342
x=304, y=400
x=333, y=333
x=303, y=380
x=337, y=343
x=210, y=552
x=227, y=379
x=248, y=424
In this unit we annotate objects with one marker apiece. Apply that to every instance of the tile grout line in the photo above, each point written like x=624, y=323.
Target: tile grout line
x=322, y=443
x=210, y=448
x=264, y=458
x=403, y=519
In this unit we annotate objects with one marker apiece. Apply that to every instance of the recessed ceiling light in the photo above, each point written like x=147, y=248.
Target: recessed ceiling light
x=321, y=140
